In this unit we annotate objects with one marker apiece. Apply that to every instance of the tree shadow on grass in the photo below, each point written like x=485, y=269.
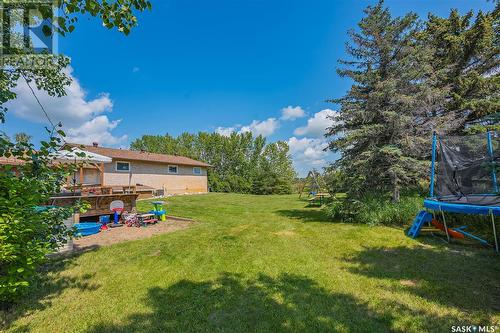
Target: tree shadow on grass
x=47, y=285
x=288, y=303
x=305, y=215
x=467, y=280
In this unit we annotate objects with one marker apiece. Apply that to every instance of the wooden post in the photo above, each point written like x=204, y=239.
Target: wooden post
x=102, y=174
x=81, y=175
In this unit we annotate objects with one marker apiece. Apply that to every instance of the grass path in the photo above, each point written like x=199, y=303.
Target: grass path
x=265, y=263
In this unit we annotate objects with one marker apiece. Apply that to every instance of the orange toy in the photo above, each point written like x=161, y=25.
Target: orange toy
x=451, y=232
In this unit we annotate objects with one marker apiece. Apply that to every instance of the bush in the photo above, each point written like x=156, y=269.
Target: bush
x=27, y=235
x=379, y=210
x=25, y=240
x=376, y=209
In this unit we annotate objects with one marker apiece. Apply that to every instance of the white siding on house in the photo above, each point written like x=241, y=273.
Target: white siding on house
x=157, y=176
x=143, y=167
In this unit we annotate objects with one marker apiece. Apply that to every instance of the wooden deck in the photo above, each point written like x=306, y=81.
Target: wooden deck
x=99, y=202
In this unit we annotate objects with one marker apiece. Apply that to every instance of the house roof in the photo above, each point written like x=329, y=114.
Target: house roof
x=134, y=155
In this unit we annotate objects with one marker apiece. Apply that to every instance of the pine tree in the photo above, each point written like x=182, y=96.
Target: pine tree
x=383, y=126
x=468, y=55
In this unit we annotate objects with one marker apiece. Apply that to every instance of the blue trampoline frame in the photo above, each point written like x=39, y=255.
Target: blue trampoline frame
x=432, y=202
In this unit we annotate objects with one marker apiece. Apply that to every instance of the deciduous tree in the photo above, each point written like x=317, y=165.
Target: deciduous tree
x=240, y=162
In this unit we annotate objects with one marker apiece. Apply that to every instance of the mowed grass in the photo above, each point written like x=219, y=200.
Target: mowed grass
x=265, y=263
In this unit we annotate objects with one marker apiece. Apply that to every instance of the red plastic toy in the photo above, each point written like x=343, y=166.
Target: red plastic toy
x=451, y=232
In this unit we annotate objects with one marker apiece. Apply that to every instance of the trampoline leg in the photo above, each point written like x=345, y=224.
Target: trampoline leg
x=494, y=229
x=445, y=226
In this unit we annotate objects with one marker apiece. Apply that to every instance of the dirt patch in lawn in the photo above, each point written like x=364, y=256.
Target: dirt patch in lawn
x=124, y=233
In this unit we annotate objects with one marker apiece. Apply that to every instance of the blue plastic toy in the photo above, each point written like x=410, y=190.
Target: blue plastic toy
x=159, y=211
x=87, y=228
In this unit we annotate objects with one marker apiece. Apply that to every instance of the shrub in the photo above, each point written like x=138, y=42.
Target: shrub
x=379, y=210
x=25, y=240
x=376, y=209
x=27, y=235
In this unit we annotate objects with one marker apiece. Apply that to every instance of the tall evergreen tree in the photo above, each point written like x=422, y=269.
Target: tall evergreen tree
x=382, y=128
x=467, y=52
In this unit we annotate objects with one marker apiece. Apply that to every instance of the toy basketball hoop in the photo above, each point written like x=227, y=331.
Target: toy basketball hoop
x=116, y=204
x=116, y=207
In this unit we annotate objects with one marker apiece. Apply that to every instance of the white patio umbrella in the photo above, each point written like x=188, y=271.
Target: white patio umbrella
x=73, y=153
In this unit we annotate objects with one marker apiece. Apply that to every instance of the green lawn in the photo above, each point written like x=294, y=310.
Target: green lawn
x=266, y=263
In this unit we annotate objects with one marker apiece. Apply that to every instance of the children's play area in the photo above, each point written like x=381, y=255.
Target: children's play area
x=122, y=218
x=315, y=188
x=108, y=214
x=462, y=181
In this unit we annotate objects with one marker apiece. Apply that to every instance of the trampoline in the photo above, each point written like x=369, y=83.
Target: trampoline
x=481, y=205
x=464, y=178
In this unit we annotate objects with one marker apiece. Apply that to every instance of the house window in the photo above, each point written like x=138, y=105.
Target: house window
x=196, y=171
x=172, y=169
x=123, y=166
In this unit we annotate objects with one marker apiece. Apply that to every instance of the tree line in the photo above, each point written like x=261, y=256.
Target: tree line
x=240, y=162
x=412, y=77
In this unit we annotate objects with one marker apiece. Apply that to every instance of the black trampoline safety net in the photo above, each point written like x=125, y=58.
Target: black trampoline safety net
x=467, y=169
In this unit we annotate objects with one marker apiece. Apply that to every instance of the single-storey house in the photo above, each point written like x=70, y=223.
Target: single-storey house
x=147, y=171
x=136, y=171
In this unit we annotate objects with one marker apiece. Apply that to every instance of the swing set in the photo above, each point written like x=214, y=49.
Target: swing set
x=315, y=192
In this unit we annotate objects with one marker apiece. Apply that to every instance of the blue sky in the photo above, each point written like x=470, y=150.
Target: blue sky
x=211, y=66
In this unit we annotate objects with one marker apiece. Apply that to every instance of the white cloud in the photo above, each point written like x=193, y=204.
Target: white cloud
x=75, y=111
x=98, y=130
x=225, y=131
x=308, y=153
x=264, y=128
x=292, y=113
x=72, y=109
x=318, y=164
x=308, y=148
x=316, y=126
